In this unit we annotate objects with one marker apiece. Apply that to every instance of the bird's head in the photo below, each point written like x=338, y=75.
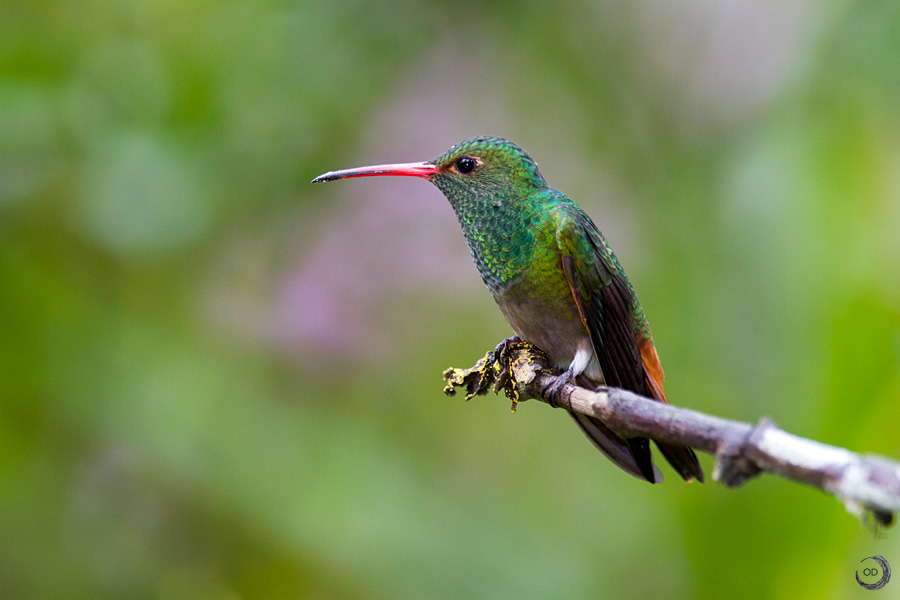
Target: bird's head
x=482, y=168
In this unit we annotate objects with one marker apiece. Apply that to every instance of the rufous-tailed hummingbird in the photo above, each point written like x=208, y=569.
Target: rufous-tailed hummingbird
x=556, y=281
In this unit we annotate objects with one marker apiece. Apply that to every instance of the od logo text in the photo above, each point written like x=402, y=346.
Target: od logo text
x=879, y=567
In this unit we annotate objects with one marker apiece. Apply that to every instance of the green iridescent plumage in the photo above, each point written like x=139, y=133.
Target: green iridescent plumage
x=499, y=222
x=556, y=280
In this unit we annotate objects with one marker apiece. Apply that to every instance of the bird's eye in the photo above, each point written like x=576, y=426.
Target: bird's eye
x=466, y=165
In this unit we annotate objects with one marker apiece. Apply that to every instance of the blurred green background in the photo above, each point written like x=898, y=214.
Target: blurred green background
x=220, y=381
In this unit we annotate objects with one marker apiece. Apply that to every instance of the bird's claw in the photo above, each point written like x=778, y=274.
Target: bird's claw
x=501, y=352
x=493, y=371
x=555, y=389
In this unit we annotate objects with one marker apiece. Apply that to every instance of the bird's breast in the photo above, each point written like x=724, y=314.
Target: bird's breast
x=541, y=310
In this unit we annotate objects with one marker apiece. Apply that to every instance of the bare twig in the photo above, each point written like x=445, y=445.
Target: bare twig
x=866, y=484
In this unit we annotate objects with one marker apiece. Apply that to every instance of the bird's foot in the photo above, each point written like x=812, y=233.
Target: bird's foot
x=502, y=365
x=556, y=388
x=495, y=371
x=501, y=352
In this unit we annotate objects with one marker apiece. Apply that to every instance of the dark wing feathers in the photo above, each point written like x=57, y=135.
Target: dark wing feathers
x=615, y=448
x=605, y=301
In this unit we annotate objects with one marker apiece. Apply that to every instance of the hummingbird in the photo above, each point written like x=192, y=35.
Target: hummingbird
x=556, y=281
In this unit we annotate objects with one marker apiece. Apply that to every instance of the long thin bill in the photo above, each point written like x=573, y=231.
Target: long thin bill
x=419, y=169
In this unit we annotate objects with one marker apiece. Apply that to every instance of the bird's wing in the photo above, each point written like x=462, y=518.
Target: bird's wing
x=618, y=330
x=604, y=299
x=620, y=451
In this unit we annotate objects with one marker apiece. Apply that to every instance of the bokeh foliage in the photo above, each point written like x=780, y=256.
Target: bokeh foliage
x=219, y=381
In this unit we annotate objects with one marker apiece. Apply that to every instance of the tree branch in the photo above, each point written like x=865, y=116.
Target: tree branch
x=866, y=484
